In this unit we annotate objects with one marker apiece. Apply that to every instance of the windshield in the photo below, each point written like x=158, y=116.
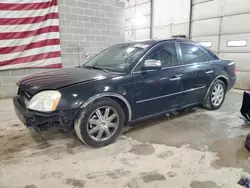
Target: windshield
x=118, y=58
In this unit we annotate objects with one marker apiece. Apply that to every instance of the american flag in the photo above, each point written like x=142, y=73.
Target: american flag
x=29, y=34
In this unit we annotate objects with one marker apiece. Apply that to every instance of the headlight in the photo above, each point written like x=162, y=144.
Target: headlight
x=45, y=101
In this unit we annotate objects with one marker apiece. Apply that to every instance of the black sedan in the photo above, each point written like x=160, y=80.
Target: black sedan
x=124, y=84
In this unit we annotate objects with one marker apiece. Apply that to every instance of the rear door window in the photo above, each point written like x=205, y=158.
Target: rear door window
x=209, y=55
x=191, y=53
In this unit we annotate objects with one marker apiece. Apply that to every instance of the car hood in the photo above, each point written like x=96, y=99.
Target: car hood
x=60, y=78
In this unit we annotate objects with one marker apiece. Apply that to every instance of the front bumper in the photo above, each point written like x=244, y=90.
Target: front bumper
x=42, y=121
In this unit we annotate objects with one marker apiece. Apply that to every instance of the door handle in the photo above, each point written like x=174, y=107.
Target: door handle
x=209, y=72
x=176, y=77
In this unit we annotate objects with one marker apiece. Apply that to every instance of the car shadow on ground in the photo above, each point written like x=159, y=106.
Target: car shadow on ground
x=27, y=142
x=157, y=120
x=41, y=143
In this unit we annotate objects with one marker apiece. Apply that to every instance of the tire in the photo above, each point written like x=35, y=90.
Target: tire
x=83, y=126
x=208, y=103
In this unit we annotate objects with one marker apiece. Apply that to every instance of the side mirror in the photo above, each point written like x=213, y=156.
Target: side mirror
x=152, y=64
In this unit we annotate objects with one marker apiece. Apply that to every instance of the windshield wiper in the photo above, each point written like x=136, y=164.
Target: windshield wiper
x=97, y=68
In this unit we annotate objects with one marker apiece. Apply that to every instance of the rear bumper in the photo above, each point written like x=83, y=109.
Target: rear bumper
x=43, y=121
x=231, y=83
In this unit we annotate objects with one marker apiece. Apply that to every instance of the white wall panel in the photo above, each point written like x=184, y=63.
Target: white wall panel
x=143, y=9
x=235, y=37
x=170, y=12
x=162, y=13
x=200, y=1
x=142, y=22
x=236, y=7
x=129, y=25
x=129, y=3
x=161, y=32
x=208, y=26
x=141, y=1
x=180, y=29
x=180, y=11
x=130, y=12
x=213, y=39
x=235, y=24
x=142, y=34
x=242, y=81
x=129, y=35
x=241, y=60
x=210, y=9
x=205, y=27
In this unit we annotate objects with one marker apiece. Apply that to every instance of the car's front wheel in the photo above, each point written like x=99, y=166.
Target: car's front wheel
x=216, y=95
x=100, y=123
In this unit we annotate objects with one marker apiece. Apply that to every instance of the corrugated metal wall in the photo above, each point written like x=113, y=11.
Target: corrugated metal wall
x=223, y=21
x=137, y=14
x=170, y=17
x=215, y=22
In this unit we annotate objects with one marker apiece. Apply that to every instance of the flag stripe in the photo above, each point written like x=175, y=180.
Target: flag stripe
x=27, y=13
x=27, y=6
x=38, y=63
x=7, y=50
x=24, y=1
x=25, y=34
x=31, y=58
x=56, y=66
x=27, y=20
x=37, y=38
x=43, y=49
x=28, y=27
x=29, y=34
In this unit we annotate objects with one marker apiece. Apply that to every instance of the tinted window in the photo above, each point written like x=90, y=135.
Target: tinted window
x=166, y=54
x=191, y=53
x=209, y=55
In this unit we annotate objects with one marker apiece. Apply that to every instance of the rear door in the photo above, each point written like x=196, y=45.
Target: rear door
x=198, y=73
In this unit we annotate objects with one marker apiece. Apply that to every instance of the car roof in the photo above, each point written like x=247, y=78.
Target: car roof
x=156, y=41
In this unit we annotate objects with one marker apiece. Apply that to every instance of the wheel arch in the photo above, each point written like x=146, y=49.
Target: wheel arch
x=122, y=101
x=223, y=78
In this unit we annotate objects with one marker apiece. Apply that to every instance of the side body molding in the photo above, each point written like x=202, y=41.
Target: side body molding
x=95, y=97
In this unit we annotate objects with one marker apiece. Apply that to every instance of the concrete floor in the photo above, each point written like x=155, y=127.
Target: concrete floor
x=195, y=149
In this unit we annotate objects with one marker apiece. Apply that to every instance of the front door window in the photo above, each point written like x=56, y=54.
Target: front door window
x=166, y=54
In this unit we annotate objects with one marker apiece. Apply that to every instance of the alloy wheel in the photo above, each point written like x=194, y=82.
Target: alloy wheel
x=217, y=95
x=103, y=123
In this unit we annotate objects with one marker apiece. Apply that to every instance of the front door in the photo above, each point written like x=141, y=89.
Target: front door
x=158, y=90
x=198, y=73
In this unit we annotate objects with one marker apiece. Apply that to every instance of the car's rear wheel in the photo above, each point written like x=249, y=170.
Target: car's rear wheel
x=216, y=95
x=100, y=123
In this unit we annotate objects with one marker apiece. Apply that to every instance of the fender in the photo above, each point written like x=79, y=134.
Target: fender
x=216, y=78
x=98, y=96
